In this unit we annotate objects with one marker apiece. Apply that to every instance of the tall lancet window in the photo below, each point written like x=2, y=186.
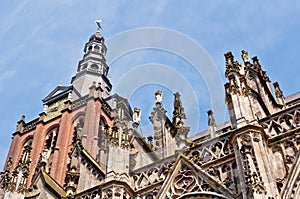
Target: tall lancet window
x=102, y=125
x=102, y=130
x=78, y=126
x=103, y=139
x=25, y=159
x=21, y=172
x=49, y=147
x=121, y=113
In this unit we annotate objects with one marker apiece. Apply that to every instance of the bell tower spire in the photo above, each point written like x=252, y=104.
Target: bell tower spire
x=92, y=67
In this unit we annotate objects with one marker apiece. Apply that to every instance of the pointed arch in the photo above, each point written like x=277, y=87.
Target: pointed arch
x=78, y=115
x=50, y=140
x=275, y=128
x=202, y=195
x=27, y=140
x=78, y=120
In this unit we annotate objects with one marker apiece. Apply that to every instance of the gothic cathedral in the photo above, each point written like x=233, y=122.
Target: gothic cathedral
x=86, y=142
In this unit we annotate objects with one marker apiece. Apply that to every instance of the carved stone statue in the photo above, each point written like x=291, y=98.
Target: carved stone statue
x=158, y=97
x=136, y=117
x=245, y=56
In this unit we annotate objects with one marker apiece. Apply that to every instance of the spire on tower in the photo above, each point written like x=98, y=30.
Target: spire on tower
x=178, y=113
x=92, y=66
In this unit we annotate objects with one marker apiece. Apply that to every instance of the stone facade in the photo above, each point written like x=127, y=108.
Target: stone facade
x=86, y=142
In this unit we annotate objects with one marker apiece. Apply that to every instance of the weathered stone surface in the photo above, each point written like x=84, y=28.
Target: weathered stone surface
x=86, y=143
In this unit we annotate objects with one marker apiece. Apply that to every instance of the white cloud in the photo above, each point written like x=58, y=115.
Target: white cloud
x=7, y=74
x=11, y=19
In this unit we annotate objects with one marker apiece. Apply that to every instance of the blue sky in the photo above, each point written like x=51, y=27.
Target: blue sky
x=42, y=42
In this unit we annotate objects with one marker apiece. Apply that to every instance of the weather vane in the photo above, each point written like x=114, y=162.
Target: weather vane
x=98, y=21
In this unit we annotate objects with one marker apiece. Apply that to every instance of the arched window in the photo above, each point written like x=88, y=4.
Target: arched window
x=49, y=147
x=102, y=125
x=102, y=135
x=21, y=172
x=78, y=126
x=51, y=138
x=94, y=67
x=84, y=66
x=97, y=48
x=80, y=122
x=25, y=159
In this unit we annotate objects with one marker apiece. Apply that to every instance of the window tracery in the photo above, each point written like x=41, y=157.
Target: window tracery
x=49, y=148
x=21, y=172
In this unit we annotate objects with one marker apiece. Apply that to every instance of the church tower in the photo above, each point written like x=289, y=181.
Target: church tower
x=92, y=68
x=86, y=142
x=72, y=123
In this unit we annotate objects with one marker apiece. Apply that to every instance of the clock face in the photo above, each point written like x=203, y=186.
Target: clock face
x=55, y=109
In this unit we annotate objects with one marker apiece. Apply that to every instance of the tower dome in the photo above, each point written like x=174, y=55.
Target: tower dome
x=97, y=37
